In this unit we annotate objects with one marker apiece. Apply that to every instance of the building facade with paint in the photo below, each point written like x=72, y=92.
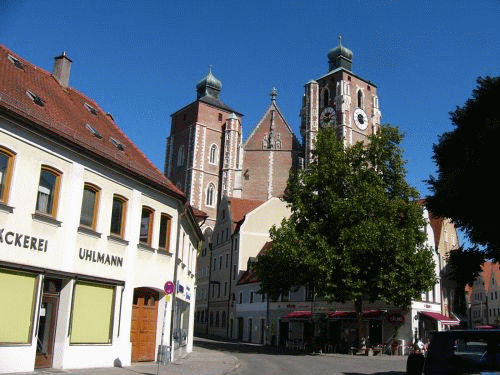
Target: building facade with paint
x=90, y=232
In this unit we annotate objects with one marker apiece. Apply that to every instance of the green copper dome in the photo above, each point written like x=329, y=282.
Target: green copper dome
x=340, y=56
x=209, y=85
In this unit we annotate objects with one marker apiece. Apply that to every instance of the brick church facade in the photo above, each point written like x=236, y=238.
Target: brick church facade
x=207, y=157
x=236, y=182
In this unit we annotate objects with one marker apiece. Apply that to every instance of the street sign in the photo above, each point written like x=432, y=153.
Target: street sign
x=169, y=287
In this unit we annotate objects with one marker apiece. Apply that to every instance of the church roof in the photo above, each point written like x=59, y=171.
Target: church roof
x=36, y=99
x=272, y=105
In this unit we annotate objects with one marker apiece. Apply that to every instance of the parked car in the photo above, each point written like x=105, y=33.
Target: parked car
x=463, y=352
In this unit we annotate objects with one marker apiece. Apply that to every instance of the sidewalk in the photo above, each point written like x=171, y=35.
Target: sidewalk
x=200, y=361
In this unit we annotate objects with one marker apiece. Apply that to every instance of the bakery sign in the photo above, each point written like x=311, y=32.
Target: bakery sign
x=23, y=241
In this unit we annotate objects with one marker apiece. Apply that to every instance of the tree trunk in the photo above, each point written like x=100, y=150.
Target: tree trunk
x=358, y=306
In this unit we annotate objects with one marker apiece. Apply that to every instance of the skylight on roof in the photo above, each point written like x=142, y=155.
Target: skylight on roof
x=36, y=99
x=91, y=109
x=17, y=63
x=120, y=146
x=93, y=131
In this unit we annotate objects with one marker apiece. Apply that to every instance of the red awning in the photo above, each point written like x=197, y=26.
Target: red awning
x=440, y=317
x=298, y=315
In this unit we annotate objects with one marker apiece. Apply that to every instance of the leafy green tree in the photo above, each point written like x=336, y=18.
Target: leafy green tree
x=464, y=266
x=356, y=232
x=466, y=184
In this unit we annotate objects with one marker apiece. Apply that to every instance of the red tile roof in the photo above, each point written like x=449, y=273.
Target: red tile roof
x=64, y=116
x=240, y=208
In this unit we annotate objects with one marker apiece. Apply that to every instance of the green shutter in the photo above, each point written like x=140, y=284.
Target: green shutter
x=92, y=319
x=17, y=296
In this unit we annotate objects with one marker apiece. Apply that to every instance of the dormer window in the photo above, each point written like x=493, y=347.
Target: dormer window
x=120, y=146
x=36, y=99
x=93, y=131
x=91, y=109
x=17, y=63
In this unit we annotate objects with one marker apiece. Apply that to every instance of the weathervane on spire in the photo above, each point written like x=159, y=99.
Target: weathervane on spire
x=274, y=94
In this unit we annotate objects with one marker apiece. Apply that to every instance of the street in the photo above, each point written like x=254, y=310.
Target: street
x=256, y=359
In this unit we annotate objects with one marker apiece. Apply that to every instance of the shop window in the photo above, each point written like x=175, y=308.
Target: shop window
x=6, y=165
x=118, y=216
x=18, y=296
x=48, y=190
x=92, y=313
x=88, y=216
x=165, y=224
x=146, y=230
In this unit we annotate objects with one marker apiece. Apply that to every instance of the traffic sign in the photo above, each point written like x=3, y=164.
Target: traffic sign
x=169, y=287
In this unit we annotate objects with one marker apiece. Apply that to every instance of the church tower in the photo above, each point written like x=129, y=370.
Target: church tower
x=204, y=148
x=340, y=99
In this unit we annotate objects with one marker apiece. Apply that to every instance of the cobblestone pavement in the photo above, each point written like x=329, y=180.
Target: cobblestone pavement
x=214, y=357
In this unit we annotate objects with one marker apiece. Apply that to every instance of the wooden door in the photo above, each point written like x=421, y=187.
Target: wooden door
x=143, y=329
x=46, y=330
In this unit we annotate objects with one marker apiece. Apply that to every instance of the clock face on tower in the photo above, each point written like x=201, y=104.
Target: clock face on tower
x=360, y=119
x=327, y=117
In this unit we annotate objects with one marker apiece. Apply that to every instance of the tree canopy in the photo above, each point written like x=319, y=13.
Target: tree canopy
x=465, y=186
x=356, y=232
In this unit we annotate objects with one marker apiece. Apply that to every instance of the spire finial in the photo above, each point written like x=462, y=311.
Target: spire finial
x=340, y=39
x=274, y=94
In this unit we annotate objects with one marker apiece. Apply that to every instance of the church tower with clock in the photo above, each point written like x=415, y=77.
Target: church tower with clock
x=340, y=99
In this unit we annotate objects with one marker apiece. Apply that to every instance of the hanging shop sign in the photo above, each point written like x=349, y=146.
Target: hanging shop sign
x=23, y=241
x=396, y=318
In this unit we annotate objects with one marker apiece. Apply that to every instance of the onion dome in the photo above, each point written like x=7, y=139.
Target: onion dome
x=340, y=56
x=209, y=85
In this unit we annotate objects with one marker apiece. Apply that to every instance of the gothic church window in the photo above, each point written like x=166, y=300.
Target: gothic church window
x=326, y=97
x=360, y=99
x=210, y=201
x=180, y=155
x=213, y=154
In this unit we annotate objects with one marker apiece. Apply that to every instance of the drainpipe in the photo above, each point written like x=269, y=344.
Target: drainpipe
x=173, y=321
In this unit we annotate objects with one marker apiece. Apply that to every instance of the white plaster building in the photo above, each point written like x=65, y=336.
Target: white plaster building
x=299, y=321
x=90, y=232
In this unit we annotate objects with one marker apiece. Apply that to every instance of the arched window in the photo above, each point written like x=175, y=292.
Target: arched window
x=6, y=166
x=212, y=159
x=118, y=211
x=48, y=191
x=210, y=201
x=90, y=200
x=360, y=99
x=326, y=97
x=146, y=227
x=180, y=155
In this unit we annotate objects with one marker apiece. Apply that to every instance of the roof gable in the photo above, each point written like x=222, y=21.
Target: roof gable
x=263, y=128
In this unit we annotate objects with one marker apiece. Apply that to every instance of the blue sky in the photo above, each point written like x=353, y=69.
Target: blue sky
x=141, y=60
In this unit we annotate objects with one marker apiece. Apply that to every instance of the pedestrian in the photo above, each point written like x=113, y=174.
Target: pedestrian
x=415, y=362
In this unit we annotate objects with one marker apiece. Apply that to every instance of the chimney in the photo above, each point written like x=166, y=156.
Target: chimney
x=62, y=68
